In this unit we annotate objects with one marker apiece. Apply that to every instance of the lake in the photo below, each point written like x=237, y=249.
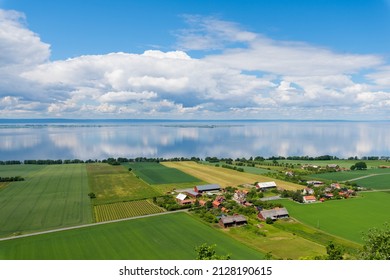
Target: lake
x=88, y=139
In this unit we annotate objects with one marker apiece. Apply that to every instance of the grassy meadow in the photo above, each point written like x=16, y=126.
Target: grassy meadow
x=155, y=173
x=51, y=196
x=115, y=183
x=345, y=218
x=166, y=237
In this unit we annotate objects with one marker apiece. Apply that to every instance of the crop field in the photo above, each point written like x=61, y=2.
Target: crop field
x=155, y=173
x=226, y=177
x=249, y=169
x=121, y=210
x=22, y=170
x=51, y=197
x=377, y=182
x=345, y=218
x=165, y=237
x=115, y=183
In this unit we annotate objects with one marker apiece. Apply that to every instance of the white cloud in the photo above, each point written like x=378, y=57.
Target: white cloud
x=251, y=76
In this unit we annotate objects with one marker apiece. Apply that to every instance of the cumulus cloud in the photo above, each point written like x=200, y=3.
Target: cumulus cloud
x=247, y=76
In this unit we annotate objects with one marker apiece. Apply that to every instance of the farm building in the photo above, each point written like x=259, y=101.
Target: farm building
x=231, y=221
x=192, y=193
x=315, y=183
x=274, y=214
x=207, y=188
x=309, y=199
x=182, y=199
x=308, y=191
x=266, y=185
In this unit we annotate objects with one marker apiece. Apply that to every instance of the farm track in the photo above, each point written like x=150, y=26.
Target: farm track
x=367, y=176
x=90, y=225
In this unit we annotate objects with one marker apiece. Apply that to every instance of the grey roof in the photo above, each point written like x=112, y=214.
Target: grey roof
x=192, y=192
x=210, y=187
x=274, y=213
x=233, y=219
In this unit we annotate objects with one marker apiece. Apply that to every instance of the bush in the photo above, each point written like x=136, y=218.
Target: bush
x=269, y=221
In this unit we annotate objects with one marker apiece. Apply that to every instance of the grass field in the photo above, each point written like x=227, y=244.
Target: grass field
x=345, y=218
x=165, y=237
x=281, y=244
x=341, y=162
x=376, y=178
x=22, y=170
x=121, y=210
x=226, y=177
x=51, y=197
x=115, y=184
x=155, y=173
x=377, y=182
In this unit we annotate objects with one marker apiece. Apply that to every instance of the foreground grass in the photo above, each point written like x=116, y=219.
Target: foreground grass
x=51, y=197
x=345, y=218
x=166, y=237
x=226, y=177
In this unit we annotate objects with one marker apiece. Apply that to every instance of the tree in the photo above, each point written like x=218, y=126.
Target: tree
x=207, y=252
x=377, y=244
x=92, y=195
x=361, y=165
x=335, y=252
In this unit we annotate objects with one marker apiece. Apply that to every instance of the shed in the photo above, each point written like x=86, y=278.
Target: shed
x=274, y=214
x=231, y=221
x=207, y=188
x=266, y=185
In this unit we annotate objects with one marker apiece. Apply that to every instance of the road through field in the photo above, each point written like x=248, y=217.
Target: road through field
x=89, y=225
x=226, y=177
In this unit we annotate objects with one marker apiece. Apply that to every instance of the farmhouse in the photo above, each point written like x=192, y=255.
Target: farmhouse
x=207, y=188
x=309, y=199
x=231, y=221
x=265, y=186
x=274, y=214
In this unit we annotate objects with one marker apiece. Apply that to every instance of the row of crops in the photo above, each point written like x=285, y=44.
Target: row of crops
x=122, y=210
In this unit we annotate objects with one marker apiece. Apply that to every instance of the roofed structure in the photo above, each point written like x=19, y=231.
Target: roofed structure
x=207, y=188
x=266, y=185
x=274, y=214
x=235, y=220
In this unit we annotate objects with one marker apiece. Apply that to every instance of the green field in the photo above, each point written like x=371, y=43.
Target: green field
x=22, y=170
x=115, y=183
x=165, y=237
x=344, y=163
x=345, y=218
x=154, y=173
x=376, y=178
x=51, y=197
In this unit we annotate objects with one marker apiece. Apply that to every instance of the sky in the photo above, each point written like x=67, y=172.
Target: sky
x=195, y=59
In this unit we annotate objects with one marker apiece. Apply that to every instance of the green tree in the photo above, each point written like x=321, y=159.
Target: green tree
x=92, y=195
x=376, y=244
x=361, y=165
x=335, y=252
x=207, y=252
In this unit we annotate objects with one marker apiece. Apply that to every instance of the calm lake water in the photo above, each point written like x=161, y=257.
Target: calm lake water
x=21, y=140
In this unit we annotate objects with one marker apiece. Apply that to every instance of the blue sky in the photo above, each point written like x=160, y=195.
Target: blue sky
x=195, y=59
